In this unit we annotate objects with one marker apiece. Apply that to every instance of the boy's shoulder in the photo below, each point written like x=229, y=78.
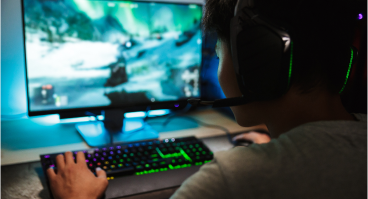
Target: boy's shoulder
x=318, y=152
x=308, y=161
x=307, y=137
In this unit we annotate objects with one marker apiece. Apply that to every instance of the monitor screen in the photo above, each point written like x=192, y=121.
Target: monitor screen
x=91, y=53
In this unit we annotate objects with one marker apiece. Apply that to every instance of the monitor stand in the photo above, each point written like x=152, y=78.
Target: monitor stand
x=115, y=129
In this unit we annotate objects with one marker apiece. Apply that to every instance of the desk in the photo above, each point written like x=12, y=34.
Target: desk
x=26, y=179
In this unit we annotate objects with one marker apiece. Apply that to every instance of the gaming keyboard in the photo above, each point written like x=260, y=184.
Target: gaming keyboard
x=142, y=158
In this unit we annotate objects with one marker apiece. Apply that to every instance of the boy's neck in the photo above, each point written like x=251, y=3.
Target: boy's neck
x=295, y=109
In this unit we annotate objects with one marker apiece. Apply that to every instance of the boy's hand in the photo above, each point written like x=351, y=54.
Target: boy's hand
x=75, y=180
x=253, y=136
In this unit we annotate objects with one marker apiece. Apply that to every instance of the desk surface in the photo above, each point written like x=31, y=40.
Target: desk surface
x=23, y=140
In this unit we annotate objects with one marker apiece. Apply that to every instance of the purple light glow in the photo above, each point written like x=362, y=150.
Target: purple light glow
x=176, y=105
x=360, y=16
x=52, y=166
x=46, y=156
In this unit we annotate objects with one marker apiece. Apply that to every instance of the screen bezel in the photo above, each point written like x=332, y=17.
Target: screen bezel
x=135, y=107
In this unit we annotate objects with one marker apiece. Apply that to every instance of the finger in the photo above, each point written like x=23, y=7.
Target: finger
x=81, y=159
x=263, y=138
x=244, y=136
x=60, y=161
x=258, y=138
x=238, y=137
x=100, y=173
x=69, y=157
x=253, y=136
x=50, y=173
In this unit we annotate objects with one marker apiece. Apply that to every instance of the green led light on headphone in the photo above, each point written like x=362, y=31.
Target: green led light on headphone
x=291, y=62
x=348, y=73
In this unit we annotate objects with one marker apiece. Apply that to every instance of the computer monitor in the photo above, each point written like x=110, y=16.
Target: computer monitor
x=110, y=55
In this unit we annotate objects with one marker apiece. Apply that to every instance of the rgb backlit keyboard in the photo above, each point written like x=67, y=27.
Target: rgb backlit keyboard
x=141, y=158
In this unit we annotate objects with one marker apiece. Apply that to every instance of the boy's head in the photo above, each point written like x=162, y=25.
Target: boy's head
x=321, y=31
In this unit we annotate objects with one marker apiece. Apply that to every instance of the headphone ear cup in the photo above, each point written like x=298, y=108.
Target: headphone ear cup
x=260, y=59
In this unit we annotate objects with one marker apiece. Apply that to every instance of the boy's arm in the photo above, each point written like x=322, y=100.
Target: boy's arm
x=208, y=182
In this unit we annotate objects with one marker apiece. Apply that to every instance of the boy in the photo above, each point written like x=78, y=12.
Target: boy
x=319, y=150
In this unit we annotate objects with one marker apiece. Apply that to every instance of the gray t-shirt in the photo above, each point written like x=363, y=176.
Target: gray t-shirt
x=326, y=159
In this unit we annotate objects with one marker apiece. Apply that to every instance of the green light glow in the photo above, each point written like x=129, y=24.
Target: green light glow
x=167, y=155
x=164, y=169
x=92, y=9
x=141, y=17
x=182, y=153
x=171, y=167
x=291, y=62
x=348, y=73
x=185, y=155
x=150, y=171
x=160, y=153
x=179, y=166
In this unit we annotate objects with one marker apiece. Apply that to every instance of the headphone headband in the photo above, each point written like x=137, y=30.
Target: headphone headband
x=240, y=4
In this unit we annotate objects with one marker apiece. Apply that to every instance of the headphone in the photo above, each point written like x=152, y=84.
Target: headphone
x=262, y=55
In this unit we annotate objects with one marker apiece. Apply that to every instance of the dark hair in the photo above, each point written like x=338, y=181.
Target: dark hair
x=322, y=31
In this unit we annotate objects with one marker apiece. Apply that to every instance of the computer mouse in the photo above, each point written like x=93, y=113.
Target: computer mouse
x=242, y=143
